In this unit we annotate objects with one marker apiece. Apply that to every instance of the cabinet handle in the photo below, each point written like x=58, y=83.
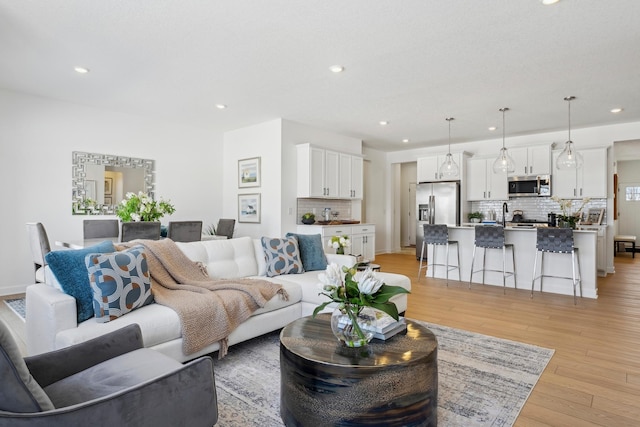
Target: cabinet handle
x=525, y=170
x=581, y=191
x=574, y=192
x=489, y=194
x=484, y=195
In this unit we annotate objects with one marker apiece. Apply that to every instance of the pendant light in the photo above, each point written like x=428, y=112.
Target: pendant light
x=569, y=158
x=504, y=162
x=449, y=169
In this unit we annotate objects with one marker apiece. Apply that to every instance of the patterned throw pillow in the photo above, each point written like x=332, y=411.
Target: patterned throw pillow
x=282, y=256
x=119, y=281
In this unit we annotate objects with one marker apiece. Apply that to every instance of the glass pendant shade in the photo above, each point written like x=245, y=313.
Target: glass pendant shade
x=569, y=158
x=504, y=163
x=449, y=168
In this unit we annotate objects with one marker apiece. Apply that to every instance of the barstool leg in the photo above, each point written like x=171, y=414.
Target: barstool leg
x=579, y=274
x=446, y=265
x=433, y=261
x=513, y=260
x=459, y=271
x=421, y=258
x=484, y=259
x=541, y=269
x=473, y=258
x=504, y=270
x=535, y=265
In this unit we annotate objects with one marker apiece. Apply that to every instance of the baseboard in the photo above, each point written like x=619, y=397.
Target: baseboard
x=12, y=290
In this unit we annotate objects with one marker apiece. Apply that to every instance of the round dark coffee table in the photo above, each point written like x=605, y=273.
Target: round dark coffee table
x=390, y=383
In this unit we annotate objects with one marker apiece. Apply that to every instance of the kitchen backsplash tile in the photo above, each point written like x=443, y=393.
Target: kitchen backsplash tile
x=535, y=208
x=317, y=206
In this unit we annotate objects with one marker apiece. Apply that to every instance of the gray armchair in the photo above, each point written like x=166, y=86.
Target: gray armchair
x=110, y=380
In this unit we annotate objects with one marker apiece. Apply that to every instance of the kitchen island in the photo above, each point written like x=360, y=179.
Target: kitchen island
x=524, y=241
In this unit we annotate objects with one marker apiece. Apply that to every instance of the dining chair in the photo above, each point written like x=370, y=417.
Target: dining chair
x=97, y=228
x=184, y=231
x=149, y=230
x=40, y=246
x=225, y=227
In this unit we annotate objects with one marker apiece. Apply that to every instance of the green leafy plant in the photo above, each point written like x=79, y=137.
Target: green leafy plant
x=210, y=230
x=339, y=243
x=568, y=215
x=309, y=216
x=477, y=215
x=141, y=207
x=353, y=290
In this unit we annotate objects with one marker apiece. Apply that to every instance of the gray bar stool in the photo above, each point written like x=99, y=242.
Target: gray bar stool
x=492, y=237
x=557, y=241
x=437, y=235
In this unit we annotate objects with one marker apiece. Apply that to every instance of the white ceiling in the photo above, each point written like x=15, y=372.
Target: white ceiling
x=411, y=62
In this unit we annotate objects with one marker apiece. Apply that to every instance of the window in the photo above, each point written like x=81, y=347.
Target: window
x=632, y=194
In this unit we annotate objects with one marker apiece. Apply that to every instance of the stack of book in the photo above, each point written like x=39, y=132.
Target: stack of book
x=387, y=326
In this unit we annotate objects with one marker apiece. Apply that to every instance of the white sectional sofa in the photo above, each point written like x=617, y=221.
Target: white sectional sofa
x=52, y=319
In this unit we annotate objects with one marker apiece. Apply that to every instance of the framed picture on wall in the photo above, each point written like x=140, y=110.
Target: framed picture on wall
x=108, y=200
x=595, y=216
x=249, y=208
x=249, y=172
x=108, y=186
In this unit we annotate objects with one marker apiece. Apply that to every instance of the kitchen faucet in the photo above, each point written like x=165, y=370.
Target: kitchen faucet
x=505, y=209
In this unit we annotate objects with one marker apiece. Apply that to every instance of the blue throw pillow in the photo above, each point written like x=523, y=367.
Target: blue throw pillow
x=71, y=271
x=311, y=251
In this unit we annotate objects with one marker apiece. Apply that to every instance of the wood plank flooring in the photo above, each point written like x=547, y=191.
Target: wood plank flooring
x=593, y=378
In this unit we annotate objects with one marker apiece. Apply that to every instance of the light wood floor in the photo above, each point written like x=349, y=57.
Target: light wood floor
x=593, y=378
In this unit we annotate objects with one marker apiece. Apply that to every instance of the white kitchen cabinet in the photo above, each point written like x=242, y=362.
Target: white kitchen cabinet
x=428, y=167
x=363, y=241
x=361, y=236
x=483, y=183
x=318, y=172
x=535, y=160
x=351, y=170
x=590, y=180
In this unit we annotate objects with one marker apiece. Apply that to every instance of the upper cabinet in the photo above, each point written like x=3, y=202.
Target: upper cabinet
x=590, y=180
x=428, y=167
x=483, y=183
x=350, y=185
x=328, y=174
x=535, y=160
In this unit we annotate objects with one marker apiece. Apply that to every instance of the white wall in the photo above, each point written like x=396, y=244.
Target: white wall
x=38, y=136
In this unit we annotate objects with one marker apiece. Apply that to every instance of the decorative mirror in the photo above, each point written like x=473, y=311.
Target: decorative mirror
x=101, y=181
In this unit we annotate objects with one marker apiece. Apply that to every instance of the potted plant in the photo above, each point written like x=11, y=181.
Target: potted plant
x=308, y=218
x=475, y=216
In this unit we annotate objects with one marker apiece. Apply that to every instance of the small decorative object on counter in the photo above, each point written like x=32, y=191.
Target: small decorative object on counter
x=339, y=243
x=308, y=218
x=569, y=218
x=475, y=216
x=358, y=294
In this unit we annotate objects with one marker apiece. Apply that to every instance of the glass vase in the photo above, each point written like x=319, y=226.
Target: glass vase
x=353, y=325
x=340, y=250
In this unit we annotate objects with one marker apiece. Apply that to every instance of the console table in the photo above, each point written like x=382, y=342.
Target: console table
x=323, y=383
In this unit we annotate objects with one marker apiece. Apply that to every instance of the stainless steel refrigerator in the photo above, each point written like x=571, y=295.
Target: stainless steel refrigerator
x=436, y=203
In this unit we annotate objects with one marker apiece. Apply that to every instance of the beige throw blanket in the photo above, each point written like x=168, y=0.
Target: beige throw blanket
x=209, y=309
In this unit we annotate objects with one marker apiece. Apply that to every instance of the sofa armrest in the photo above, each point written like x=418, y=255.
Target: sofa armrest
x=51, y=367
x=49, y=311
x=188, y=393
x=342, y=260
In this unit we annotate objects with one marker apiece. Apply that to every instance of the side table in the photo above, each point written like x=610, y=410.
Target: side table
x=390, y=383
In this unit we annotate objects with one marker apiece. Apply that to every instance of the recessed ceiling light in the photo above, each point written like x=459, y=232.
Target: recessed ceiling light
x=616, y=110
x=549, y=2
x=81, y=70
x=383, y=122
x=221, y=106
x=405, y=140
x=336, y=68
x=492, y=128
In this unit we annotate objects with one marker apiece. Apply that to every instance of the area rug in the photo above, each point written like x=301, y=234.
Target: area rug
x=18, y=306
x=483, y=381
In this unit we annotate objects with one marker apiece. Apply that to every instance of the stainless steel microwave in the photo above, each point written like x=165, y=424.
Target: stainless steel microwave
x=530, y=186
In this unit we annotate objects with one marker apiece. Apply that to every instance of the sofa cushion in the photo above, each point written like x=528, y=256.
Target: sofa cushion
x=224, y=259
x=119, y=281
x=70, y=271
x=19, y=392
x=311, y=251
x=282, y=256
